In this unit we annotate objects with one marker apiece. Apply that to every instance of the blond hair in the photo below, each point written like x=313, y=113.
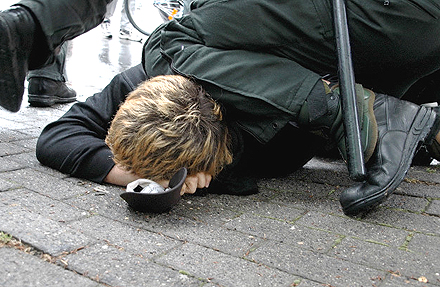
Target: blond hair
x=169, y=122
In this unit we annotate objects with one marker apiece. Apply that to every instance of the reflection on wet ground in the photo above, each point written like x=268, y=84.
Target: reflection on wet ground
x=92, y=61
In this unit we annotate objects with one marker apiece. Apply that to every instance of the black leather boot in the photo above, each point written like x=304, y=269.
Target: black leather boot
x=432, y=145
x=45, y=92
x=402, y=126
x=17, y=29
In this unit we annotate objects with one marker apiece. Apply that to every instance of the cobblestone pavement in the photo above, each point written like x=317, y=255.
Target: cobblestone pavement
x=65, y=231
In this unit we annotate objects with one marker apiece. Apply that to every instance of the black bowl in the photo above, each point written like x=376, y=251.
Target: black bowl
x=157, y=202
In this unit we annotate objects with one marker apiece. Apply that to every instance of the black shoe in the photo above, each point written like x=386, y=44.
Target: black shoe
x=16, y=39
x=432, y=144
x=45, y=92
x=402, y=126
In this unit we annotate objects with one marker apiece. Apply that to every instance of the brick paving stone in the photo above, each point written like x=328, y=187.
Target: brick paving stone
x=238, y=204
x=32, y=132
x=205, y=209
x=10, y=148
x=212, y=236
x=311, y=196
x=144, y=242
x=41, y=205
x=108, y=203
x=434, y=208
x=29, y=143
x=405, y=220
x=224, y=269
x=22, y=269
x=6, y=185
x=7, y=165
x=13, y=125
x=226, y=208
x=406, y=263
x=419, y=190
x=354, y=228
x=314, y=266
x=280, y=231
x=410, y=203
x=396, y=280
x=115, y=266
x=425, y=244
x=43, y=183
x=8, y=135
x=425, y=173
x=28, y=159
x=47, y=235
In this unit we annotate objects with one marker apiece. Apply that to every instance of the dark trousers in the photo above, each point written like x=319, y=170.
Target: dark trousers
x=393, y=45
x=63, y=20
x=55, y=71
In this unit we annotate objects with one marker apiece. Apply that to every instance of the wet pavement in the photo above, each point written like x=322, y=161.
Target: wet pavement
x=66, y=231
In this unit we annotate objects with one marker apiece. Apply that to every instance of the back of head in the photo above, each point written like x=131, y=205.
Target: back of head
x=167, y=123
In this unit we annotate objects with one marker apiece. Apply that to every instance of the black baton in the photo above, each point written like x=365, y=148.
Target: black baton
x=356, y=167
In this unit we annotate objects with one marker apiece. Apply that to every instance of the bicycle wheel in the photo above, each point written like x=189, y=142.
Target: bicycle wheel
x=143, y=15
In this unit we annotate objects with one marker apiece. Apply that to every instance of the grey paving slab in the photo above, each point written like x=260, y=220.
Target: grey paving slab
x=33, y=132
x=7, y=164
x=224, y=269
x=206, y=209
x=27, y=143
x=49, y=236
x=126, y=236
x=284, y=232
x=425, y=244
x=346, y=226
x=14, y=125
x=403, y=262
x=434, y=208
x=8, y=135
x=224, y=203
x=410, y=203
x=397, y=280
x=10, y=148
x=419, y=189
x=424, y=223
x=22, y=269
x=115, y=266
x=315, y=266
x=108, y=203
x=28, y=159
x=311, y=196
x=42, y=205
x=224, y=208
x=427, y=174
x=44, y=183
x=213, y=236
x=6, y=185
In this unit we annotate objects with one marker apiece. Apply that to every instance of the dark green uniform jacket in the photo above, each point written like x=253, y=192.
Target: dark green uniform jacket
x=264, y=57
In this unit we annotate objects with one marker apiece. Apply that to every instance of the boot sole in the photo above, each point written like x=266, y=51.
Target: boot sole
x=11, y=82
x=48, y=101
x=420, y=128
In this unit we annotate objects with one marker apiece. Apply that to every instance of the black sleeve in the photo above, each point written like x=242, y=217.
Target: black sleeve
x=74, y=144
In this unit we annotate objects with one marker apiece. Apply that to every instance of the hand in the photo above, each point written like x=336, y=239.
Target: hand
x=200, y=180
x=119, y=176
